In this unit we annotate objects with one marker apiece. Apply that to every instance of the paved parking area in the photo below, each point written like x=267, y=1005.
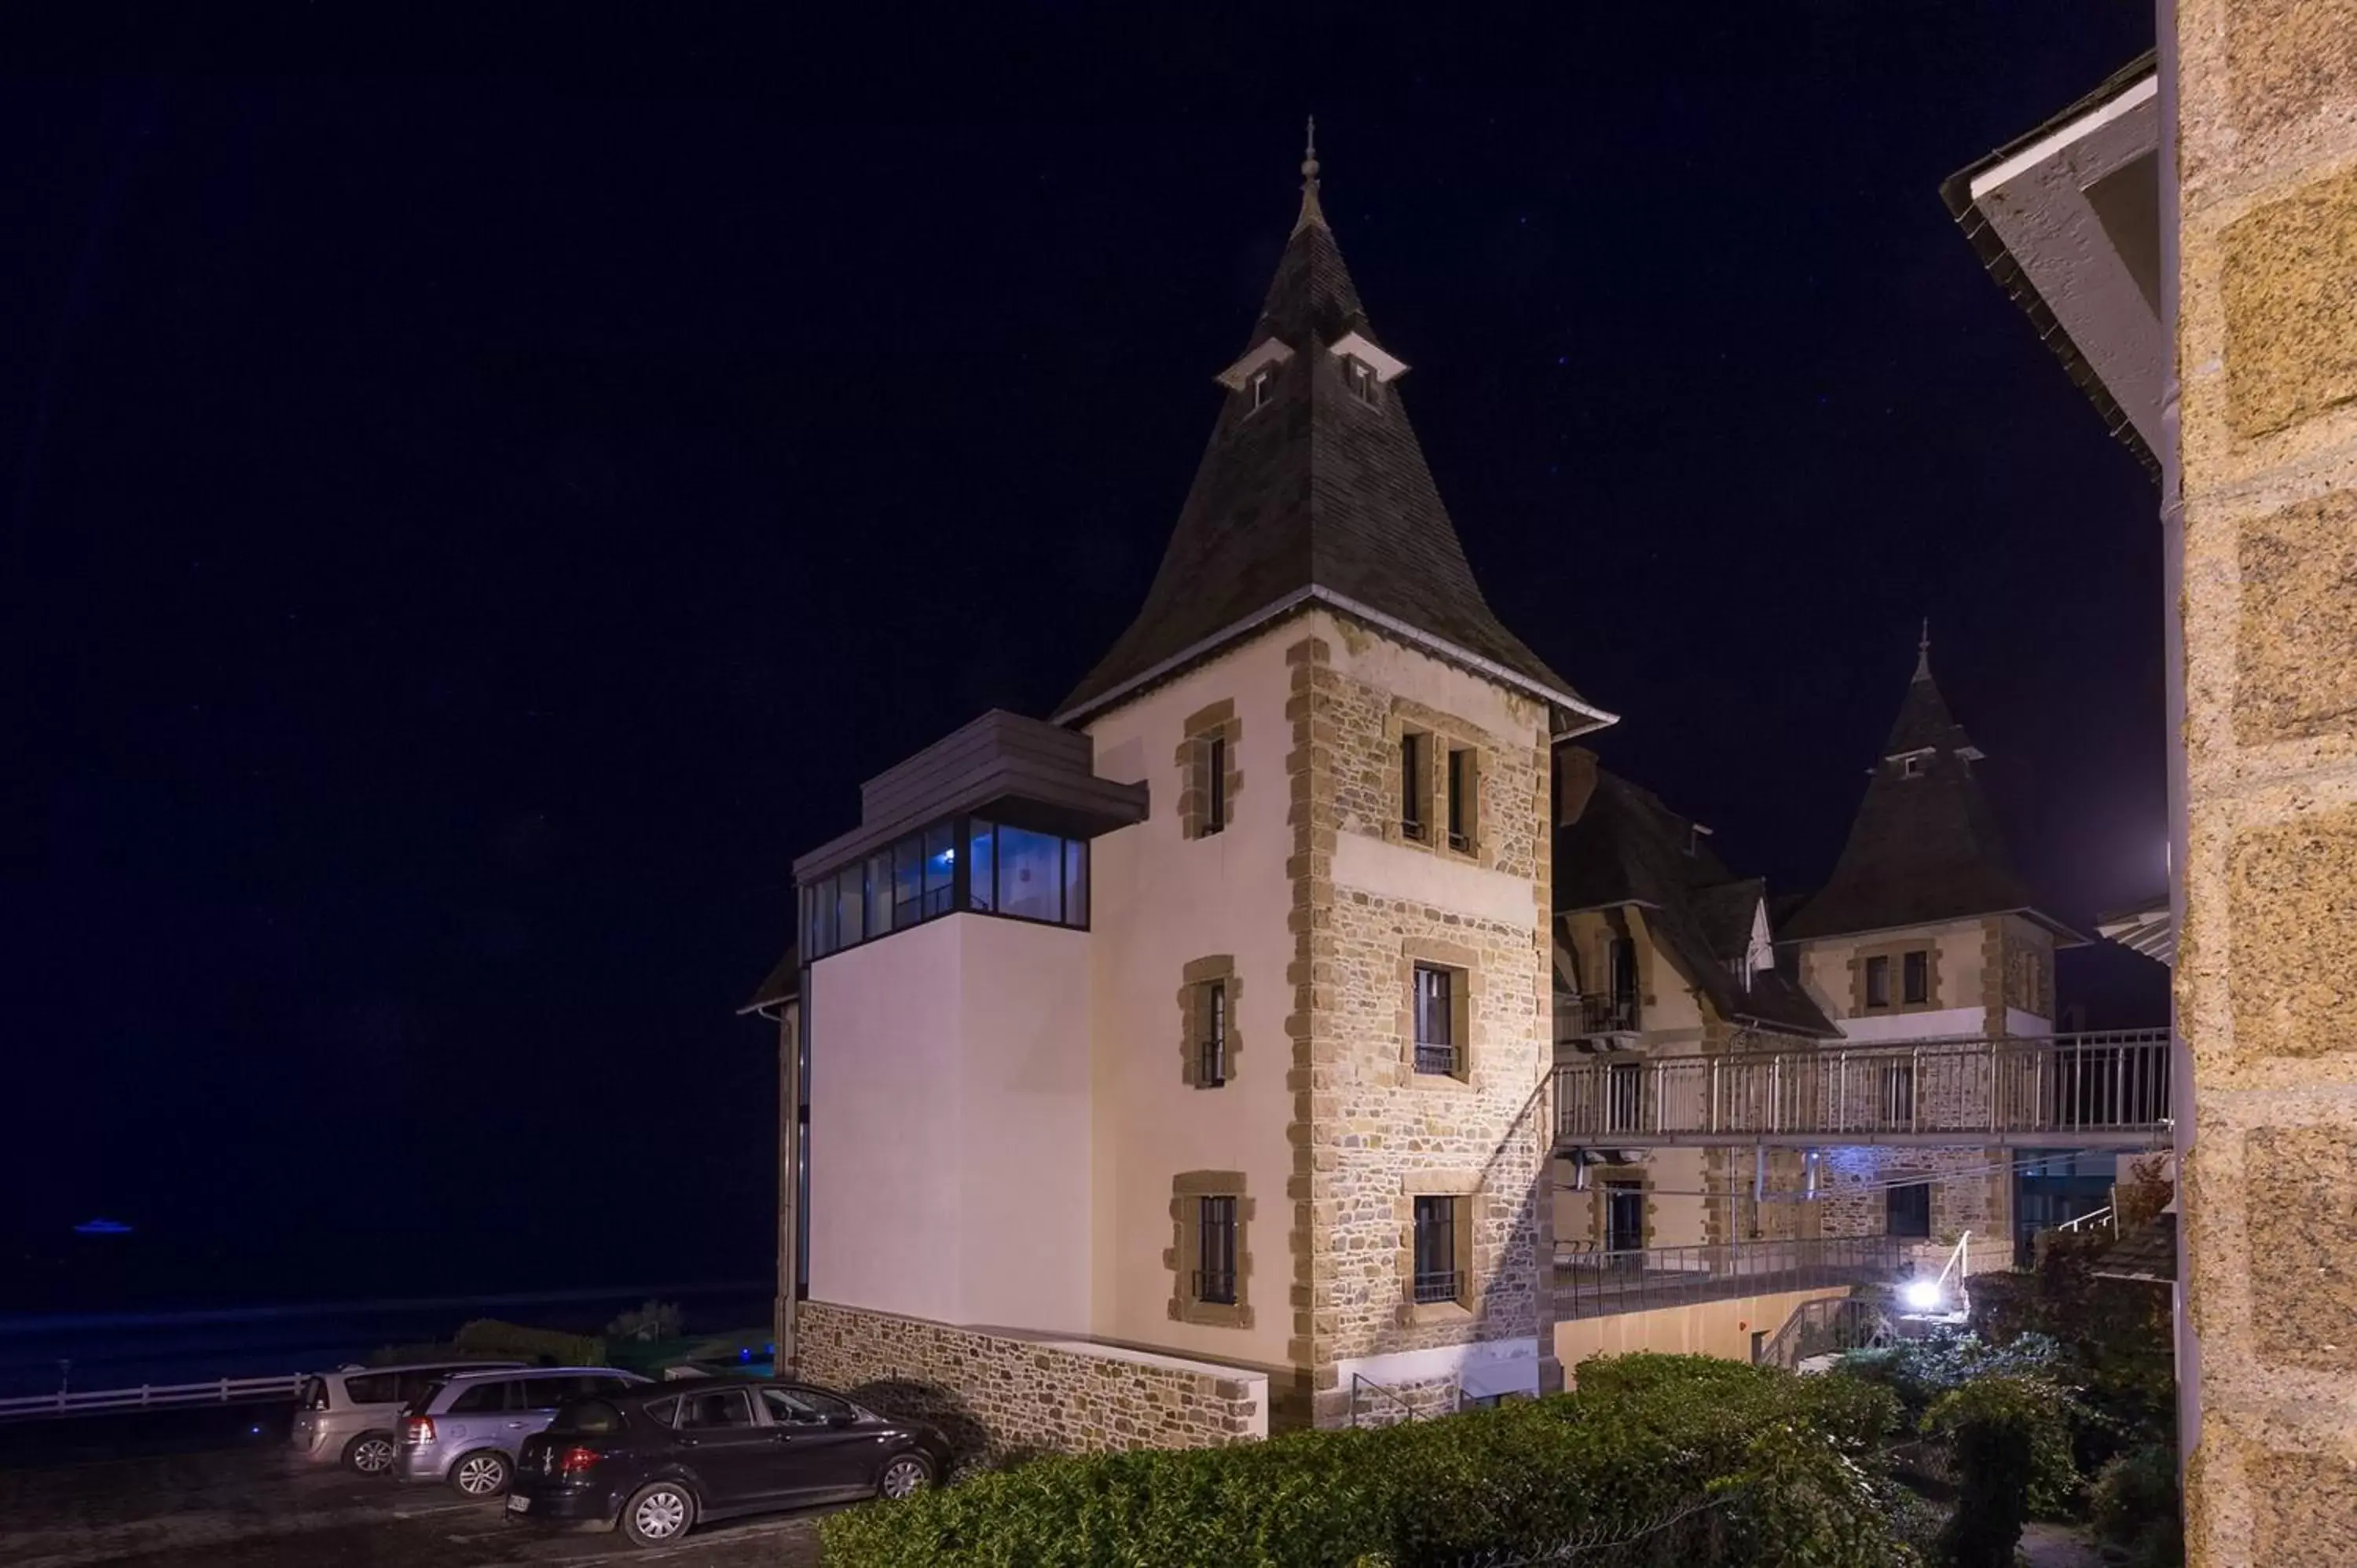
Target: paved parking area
x=245, y=1508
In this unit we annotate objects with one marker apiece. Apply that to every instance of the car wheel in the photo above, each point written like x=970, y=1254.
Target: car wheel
x=659, y=1514
x=369, y=1453
x=905, y=1476
x=481, y=1475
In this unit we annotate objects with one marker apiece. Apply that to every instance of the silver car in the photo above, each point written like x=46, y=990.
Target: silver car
x=466, y=1429
x=351, y=1416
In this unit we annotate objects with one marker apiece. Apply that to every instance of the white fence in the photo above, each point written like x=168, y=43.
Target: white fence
x=109, y=1402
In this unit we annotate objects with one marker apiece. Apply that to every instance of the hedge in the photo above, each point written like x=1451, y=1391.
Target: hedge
x=549, y=1346
x=1690, y=1460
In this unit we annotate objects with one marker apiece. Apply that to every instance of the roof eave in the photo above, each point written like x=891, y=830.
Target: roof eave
x=2071, y=939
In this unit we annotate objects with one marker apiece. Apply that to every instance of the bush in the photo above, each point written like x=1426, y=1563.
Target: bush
x=655, y=1320
x=548, y=1346
x=1692, y=1461
x=2009, y=1440
x=408, y=1355
x=2135, y=1504
x=1919, y=1372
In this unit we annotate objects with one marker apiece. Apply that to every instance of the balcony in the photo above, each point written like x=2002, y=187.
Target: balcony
x=2077, y=1090
x=1589, y=1017
x=1601, y=1285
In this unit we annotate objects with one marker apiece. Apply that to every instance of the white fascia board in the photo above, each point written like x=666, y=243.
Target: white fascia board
x=1271, y=351
x=1387, y=366
x=2064, y=137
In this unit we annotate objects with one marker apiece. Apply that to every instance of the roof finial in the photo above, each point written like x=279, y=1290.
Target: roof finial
x=1924, y=652
x=1310, y=211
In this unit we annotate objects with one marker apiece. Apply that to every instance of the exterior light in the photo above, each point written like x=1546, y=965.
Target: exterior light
x=1921, y=1294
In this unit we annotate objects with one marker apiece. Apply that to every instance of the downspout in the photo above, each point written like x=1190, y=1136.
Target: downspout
x=2172, y=545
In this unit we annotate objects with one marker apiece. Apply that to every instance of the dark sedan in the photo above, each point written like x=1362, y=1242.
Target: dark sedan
x=656, y=1459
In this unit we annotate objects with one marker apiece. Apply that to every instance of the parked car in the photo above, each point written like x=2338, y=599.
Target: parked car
x=351, y=1416
x=656, y=1460
x=465, y=1430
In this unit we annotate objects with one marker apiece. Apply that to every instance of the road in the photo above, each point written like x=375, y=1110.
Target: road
x=244, y=1508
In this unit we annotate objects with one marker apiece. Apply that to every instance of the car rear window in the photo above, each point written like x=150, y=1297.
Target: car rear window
x=373, y=1387
x=481, y=1399
x=588, y=1416
x=662, y=1412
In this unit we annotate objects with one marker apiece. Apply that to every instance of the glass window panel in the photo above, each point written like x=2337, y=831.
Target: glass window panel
x=941, y=866
x=1076, y=882
x=980, y=894
x=823, y=915
x=1877, y=982
x=1030, y=874
x=907, y=882
x=1917, y=977
x=851, y=918
x=880, y=894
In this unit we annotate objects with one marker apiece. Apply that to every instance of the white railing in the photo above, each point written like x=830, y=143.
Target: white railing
x=2113, y=1086
x=109, y=1402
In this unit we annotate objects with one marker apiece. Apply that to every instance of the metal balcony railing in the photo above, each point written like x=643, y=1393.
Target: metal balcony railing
x=2102, y=1089
x=1601, y=1285
x=1581, y=1017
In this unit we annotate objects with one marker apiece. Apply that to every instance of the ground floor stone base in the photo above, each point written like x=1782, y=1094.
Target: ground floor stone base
x=997, y=1394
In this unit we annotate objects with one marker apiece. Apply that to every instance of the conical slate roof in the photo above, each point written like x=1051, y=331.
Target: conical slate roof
x=1309, y=491
x=1925, y=845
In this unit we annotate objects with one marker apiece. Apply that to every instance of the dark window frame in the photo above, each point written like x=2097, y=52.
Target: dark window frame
x=1215, y=1250
x=1877, y=981
x=933, y=895
x=1413, y=747
x=1212, y=1063
x=1215, y=785
x=1433, y=996
x=1464, y=772
x=1434, y=1256
x=1915, y=977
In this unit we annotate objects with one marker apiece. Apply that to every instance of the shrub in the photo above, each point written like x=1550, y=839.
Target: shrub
x=2135, y=1504
x=549, y=1346
x=1696, y=1462
x=405, y=1355
x=2009, y=1439
x=1921, y=1370
x=655, y=1320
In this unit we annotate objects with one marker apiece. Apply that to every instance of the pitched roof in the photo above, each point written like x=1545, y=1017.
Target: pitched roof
x=782, y=984
x=1924, y=846
x=1628, y=847
x=1314, y=496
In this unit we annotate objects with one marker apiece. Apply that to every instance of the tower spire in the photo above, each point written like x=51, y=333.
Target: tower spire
x=1310, y=211
x=1924, y=652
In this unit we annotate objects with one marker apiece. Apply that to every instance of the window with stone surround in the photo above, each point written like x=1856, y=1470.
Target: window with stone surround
x=1416, y=785
x=1895, y=977
x=1462, y=785
x=1208, y=1042
x=1440, y=1213
x=1440, y=987
x=1433, y=777
x=1209, y=1258
x=1209, y=779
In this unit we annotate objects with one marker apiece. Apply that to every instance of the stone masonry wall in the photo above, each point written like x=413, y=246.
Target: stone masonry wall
x=1370, y=1133
x=994, y=1394
x=2266, y=353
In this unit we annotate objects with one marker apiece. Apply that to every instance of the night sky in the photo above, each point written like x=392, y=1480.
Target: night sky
x=478, y=503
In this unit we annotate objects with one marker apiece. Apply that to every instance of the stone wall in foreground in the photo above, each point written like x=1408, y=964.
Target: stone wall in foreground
x=994, y=1394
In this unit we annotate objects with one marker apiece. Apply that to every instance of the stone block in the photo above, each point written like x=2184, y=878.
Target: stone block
x=2290, y=297
x=2306, y=1508
x=2292, y=902
x=2302, y=1221
x=2295, y=646
x=2287, y=60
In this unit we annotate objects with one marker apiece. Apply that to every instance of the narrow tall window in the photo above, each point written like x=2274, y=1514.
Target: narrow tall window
x=1464, y=797
x=1361, y=378
x=1915, y=978
x=1412, y=787
x=1878, y=981
x=1215, y=783
x=1212, y=1066
x=1436, y=1249
x=1215, y=1251
x=1435, y=1019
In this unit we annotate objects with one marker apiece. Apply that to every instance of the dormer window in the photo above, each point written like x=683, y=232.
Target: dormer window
x=1361, y=378
x=1257, y=392
x=1910, y=767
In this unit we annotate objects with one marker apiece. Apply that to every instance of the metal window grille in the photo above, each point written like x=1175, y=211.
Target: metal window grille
x=1211, y=1064
x=1215, y=1251
x=1215, y=783
x=1436, y=1020
x=1436, y=1249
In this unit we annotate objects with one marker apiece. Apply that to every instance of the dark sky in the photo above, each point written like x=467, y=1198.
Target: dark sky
x=478, y=503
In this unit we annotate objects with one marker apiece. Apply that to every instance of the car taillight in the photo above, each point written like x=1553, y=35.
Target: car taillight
x=420, y=1429
x=576, y=1460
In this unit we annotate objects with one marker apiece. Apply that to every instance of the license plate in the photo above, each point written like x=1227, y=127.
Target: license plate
x=519, y=1505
